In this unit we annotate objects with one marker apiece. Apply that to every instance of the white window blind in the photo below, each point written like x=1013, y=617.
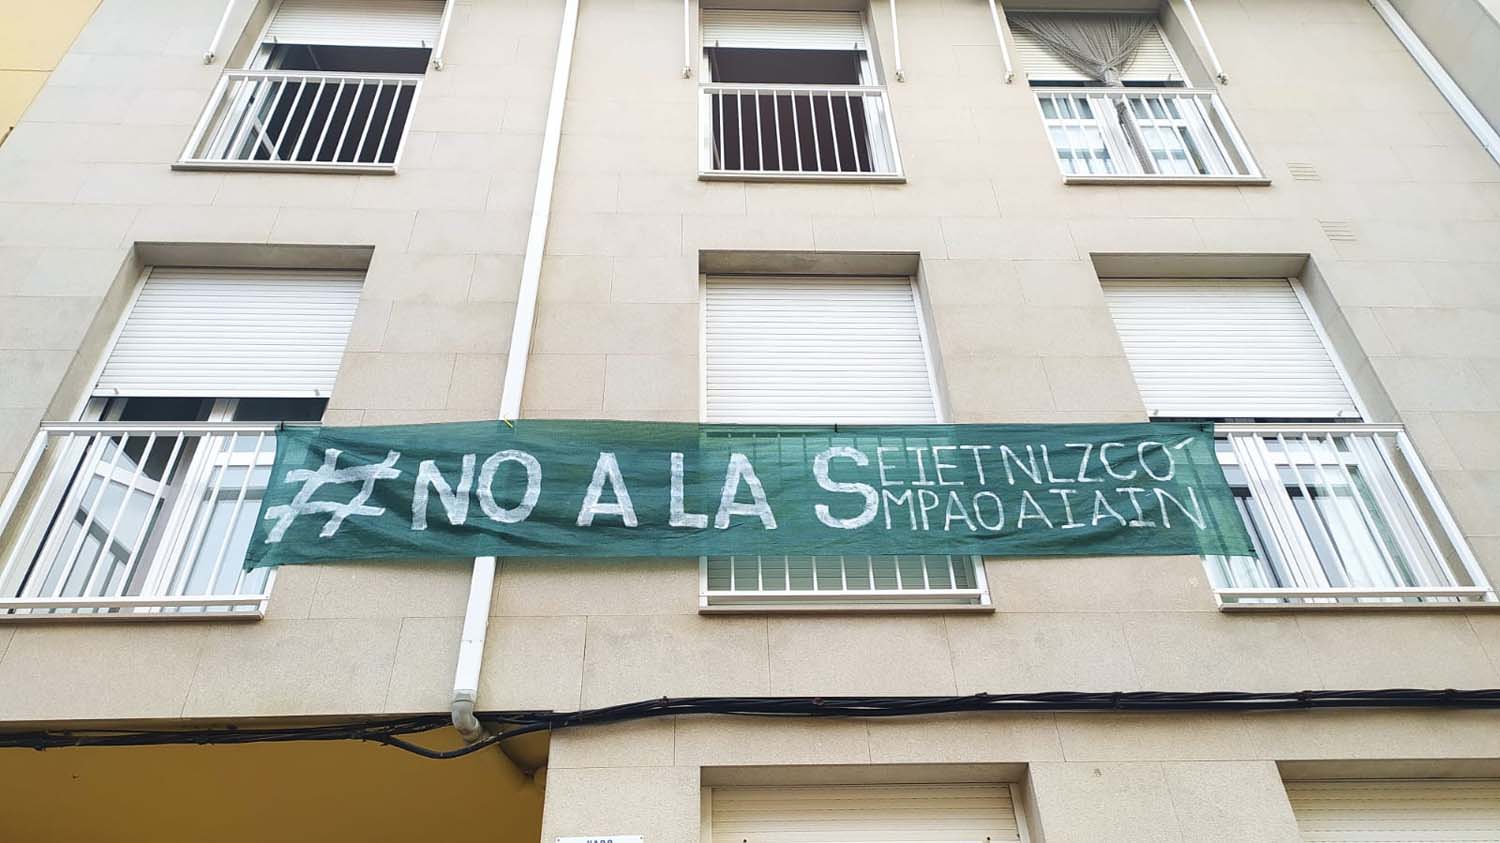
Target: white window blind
x=227, y=332
x=357, y=23
x=1153, y=60
x=1412, y=810
x=1226, y=349
x=909, y=813
x=815, y=350
x=781, y=30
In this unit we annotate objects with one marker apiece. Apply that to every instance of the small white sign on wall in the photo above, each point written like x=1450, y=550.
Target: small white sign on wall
x=604, y=838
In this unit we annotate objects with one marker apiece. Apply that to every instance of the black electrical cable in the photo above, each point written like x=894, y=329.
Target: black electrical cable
x=393, y=732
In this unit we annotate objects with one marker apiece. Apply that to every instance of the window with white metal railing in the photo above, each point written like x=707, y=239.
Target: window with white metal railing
x=331, y=87
x=1171, y=133
x=143, y=508
x=792, y=95
x=1341, y=512
x=1138, y=120
x=128, y=519
x=820, y=350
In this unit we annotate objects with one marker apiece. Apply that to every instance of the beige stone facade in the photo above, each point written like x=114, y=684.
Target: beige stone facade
x=1009, y=260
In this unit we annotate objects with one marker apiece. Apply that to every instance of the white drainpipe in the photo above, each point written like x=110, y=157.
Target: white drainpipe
x=482, y=583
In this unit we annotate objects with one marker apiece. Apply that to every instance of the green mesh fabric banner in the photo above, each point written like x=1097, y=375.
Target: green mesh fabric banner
x=601, y=489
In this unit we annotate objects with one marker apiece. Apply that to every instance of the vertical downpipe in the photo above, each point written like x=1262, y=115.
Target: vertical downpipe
x=482, y=583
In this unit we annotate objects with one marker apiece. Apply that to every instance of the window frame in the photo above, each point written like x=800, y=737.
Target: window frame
x=881, y=121
x=1228, y=145
x=175, y=520
x=1300, y=555
x=842, y=601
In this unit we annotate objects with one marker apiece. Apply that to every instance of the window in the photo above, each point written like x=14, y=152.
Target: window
x=1352, y=810
x=913, y=813
x=1341, y=511
x=792, y=95
x=329, y=87
x=824, y=350
x=144, y=508
x=1137, y=120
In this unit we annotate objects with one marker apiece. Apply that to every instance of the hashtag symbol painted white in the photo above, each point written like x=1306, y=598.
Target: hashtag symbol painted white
x=312, y=481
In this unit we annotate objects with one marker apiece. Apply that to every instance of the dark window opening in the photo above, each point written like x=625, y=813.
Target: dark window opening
x=327, y=120
x=790, y=130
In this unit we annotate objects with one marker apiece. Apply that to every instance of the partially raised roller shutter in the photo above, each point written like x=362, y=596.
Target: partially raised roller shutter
x=1153, y=60
x=1226, y=349
x=233, y=333
x=1403, y=810
x=773, y=30
x=816, y=350
x=899, y=813
x=357, y=23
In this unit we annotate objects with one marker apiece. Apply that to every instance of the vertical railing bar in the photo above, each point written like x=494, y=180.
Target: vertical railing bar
x=239, y=581
x=733, y=586
x=760, y=138
x=114, y=524
x=140, y=536
x=853, y=140
x=216, y=119
x=1407, y=542
x=390, y=115
x=723, y=140
x=870, y=568
x=796, y=132
x=359, y=91
x=926, y=579
x=36, y=510
x=306, y=124
x=291, y=114
x=739, y=125
x=1440, y=510
x=843, y=572
x=900, y=584
x=1249, y=449
x=246, y=129
x=1359, y=502
x=88, y=520
x=333, y=108
x=1311, y=502
x=812, y=116
x=201, y=514
x=234, y=515
x=760, y=573
x=780, y=155
x=364, y=133
x=838, y=164
x=787, y=567
x=952, y=573
x=257, y=130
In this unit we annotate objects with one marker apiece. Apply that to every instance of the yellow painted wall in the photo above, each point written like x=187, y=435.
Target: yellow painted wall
x=333, y=791
x=33, y=38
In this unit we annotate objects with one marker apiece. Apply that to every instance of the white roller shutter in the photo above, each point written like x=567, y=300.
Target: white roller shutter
x=233, y=333
x=357, y=23
x=815, y=350
x=1153, y=60
x=909, y=813
x=1226, y=349
x=783, y=30
x=1408, y=810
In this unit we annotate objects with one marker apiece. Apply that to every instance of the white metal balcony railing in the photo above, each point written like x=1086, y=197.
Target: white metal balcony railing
x=797, y=132
x=1340, y=515
x=300, y=121
x=126, y=520
x=1149, y=134
x=887, y=581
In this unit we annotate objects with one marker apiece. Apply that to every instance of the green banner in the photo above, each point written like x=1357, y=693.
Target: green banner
x=601, y=489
